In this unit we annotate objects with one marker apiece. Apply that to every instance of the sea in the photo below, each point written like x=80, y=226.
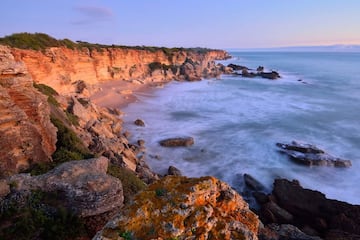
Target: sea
x=236, y=122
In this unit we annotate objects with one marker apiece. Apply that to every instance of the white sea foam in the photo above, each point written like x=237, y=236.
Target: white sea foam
x=237, y=121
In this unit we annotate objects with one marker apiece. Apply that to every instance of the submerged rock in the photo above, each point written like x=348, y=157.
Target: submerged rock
x=185, y=208
x=177, y=142
x=311, y=155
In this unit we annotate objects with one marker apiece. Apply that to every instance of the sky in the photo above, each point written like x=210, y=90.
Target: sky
x=188, y=23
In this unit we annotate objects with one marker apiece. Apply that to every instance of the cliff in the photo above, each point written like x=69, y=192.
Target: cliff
x=26, y=133
x=61, y=67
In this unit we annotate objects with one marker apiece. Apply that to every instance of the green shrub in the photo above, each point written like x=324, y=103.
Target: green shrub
x=39, y=216
x=155, y=66
x=73, y=119
x=49, y=92
x=84, y=101
x=41, y=41
x=68, y=140
x=131, y=183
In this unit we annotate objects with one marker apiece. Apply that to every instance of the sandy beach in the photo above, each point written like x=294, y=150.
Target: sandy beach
x=119, y=93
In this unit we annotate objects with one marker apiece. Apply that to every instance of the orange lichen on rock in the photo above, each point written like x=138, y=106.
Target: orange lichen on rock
x=185, y=208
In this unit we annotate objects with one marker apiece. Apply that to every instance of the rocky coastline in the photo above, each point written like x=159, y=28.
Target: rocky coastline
x=68, y=169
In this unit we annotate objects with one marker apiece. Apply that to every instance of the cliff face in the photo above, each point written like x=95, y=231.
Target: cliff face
x=26, y=133
x=60, y=67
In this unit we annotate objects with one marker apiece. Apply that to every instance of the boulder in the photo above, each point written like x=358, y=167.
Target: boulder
x=282, y=232
x=177, y=142
x=260, y=69
x=246, y=73
x=139, y=122
x=270, y=75
x=310, y=155
x=237, y=67
x=4, y=188
x=84, y=186
x=252, y=183
x=314, y=209
x=79, y=110
x=141, y=142
x=174, y=171
x=184, y=208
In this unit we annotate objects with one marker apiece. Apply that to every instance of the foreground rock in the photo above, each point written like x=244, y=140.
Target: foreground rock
x=84, y=186
x=177, y=142
x=284, y=231
x=26, y=134
x=185, y=208
x=311, y=211
x=310, y=155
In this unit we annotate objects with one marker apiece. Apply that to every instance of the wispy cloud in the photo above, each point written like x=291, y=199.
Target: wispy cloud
x=91, y=14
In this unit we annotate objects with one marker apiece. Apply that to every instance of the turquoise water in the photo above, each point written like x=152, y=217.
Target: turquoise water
x=237, y=121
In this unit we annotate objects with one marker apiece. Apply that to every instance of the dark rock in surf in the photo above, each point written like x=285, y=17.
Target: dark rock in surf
x=311, y=155
x=313, y=208
x=270, y=75
x=237, y=67
x=174, y=171
x=252, y=183
x=139, y=122
x=282, y=232
x=308, y=210
x=246, y=73
x=177, y=142
x=260, y=69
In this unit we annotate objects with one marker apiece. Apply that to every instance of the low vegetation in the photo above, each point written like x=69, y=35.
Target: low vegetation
x=131, y=183
x=39, y=215
x=41, y=41
x=49, y=92
x=68, y=147
x=160, y=66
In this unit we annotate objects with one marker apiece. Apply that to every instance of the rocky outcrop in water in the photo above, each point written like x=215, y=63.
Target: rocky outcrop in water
x=184, y=208
x=310, y=211
x=177, y=142
x=26, y=133
x=245, y=72
x=311, y=155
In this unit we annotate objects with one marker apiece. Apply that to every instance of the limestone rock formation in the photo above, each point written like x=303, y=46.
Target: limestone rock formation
x=63, y=68
x=311, y=155
x=310, y=211
x=177, y=142
x=184, y=208
x=26, y=134
x=84, y=186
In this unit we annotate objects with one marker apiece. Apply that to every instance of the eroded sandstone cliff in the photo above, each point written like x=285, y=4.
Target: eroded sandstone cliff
x=26, y=133
x=61, y=67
